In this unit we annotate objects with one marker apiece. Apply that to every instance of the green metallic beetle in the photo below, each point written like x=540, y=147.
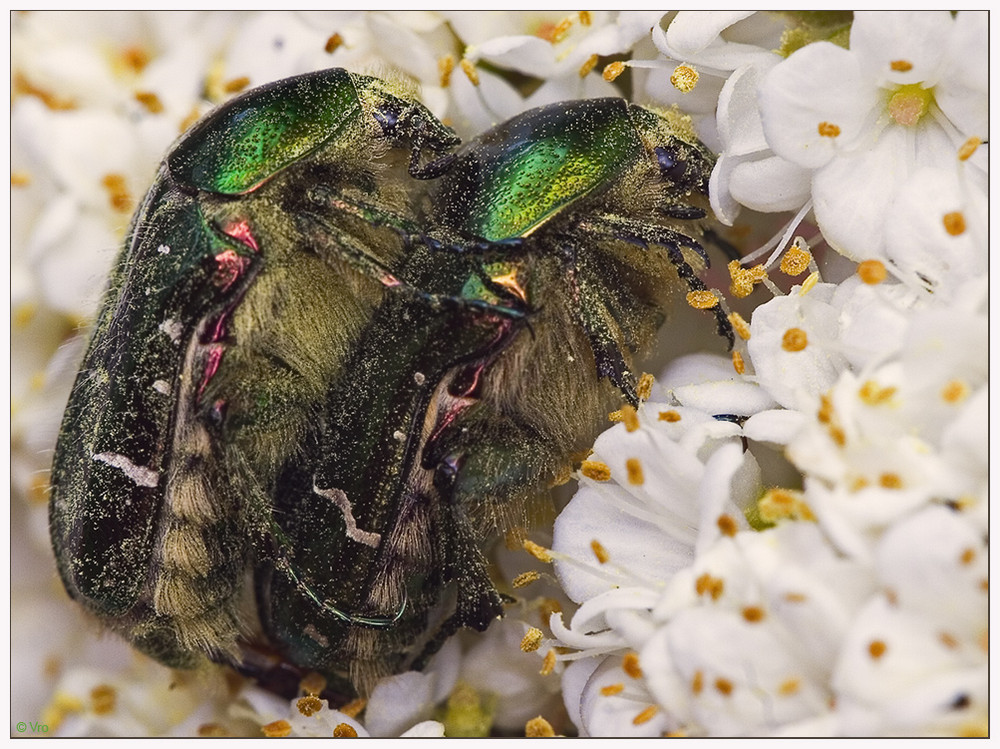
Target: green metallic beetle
x=251, y=271
x=590, y=208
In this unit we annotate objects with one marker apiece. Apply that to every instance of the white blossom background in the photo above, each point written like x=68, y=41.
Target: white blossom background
x=815, y=564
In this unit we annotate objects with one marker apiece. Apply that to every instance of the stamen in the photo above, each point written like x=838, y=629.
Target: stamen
x=872, y=271
x=538, y=552
x=446, y=65
x=150, y=101
x=697, y=682
x=955, y=391
x=702, y=299
x=102, y=699
x=713, y=586
x=753, y=614
x=901, y=66
x=309, y=705
x=876, y=649
x=828, y=130
x=538, y=728
x=531, y=640
x=235, y=85
x=669, y=416
x=599, y=551
x=589, y=65
x=584, y=16
x=969, y=147
x=333, y=43
x=276, y=730
x=794, y=339
x=954, y=223
x=646, y=715
x=469, y=68
x=612, y=689
x=118, y=195
x=738, y=363
x=873, y=395
x=727, y=525
x=613, y=70
x=548, y=663
x=630, y=665
x=634, y=468
x=890, y=481
x=795, y=261
x=743, y=279
x=645, y=386
x=345, y=731
x=313, y=683
x=525, y=578
x=684, y=78
x=741, y=326
x=724, y=686
x=630, y=418
x=594, y=469
x=789, y=687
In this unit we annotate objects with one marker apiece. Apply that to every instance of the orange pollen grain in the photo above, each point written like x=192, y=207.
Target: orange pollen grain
x=538, y=728
x=669, y=416
x=645, y=716
x=828, y=130
x=634, y=469
x=277, y=729
x=150, y=101
x=738, y=363
x=794, y=339
x=955, y=391
x=954, y=223
x=753, y=613
x=702, y=299
x=599, y=551
x=613, y=689
x=727, y=525
x=901, y=66
x=469, y=68
x=969, y=147
x=890, y=481
x=235, y=85
x=630, y=665
x=724, y=686
x=741, y=326
x=795, y=261
x=595, y=470
x=309, y=705
x=613, y=70
x=876, y=649
x=345, y=731
x=872, y=271
x=588, y=66
x=333, y=43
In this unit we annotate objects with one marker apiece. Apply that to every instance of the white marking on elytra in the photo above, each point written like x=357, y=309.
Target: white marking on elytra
x=162, y=386
x=398, y=435
x=339, y=498
x=173, y=328
x=419, y=378
x=141, y=475
x=163, y=249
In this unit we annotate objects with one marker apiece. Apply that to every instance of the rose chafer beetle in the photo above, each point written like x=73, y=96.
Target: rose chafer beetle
x=273, y=233
x=589, y=210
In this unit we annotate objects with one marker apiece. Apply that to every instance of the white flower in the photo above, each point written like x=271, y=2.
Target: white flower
x=903, y=96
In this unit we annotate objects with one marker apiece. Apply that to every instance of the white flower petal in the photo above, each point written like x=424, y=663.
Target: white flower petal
x=880, y=38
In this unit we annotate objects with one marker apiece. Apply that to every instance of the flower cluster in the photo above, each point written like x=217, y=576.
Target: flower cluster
x=787, y=541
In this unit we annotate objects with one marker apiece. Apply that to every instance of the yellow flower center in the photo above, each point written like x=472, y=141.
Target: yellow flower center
x=909, y=104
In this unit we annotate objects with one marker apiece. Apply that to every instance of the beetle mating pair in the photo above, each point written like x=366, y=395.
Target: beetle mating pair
x=337, y=354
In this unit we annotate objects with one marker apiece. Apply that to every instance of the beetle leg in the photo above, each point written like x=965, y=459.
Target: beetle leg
x=611, y=227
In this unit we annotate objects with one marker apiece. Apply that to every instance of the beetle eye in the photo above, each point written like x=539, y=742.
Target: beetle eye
x=672, y=167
